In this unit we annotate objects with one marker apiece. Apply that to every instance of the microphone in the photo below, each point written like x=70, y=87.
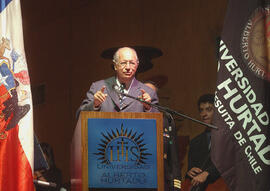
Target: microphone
x=44, y=183
x=116, y=88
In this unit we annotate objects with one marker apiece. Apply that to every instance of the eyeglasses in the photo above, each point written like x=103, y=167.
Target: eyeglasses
x=131, y=63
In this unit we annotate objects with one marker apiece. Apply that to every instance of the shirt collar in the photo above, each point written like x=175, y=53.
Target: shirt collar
x=125, y=90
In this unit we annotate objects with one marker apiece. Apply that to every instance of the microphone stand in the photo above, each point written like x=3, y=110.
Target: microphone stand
x=168, y=110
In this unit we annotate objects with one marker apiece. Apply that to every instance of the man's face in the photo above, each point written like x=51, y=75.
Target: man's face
x=127, y=65
x=206, y=112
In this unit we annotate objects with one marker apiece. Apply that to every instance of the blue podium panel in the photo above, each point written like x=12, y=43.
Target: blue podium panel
x=122, y=153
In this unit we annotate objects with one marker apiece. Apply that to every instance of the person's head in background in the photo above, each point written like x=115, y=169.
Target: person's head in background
x=206, y=108
x=125, y=64
x=48, y=152
x=151, y=85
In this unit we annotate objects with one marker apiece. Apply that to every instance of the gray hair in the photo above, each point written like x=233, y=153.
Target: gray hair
x=116, y=54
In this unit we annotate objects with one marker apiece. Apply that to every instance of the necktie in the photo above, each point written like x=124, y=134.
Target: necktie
x=121, y=97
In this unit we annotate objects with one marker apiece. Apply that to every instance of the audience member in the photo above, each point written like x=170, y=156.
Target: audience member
x=51, y=175
x=201, y=170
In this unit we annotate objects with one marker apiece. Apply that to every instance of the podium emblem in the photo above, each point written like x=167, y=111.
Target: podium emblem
x=122, y=145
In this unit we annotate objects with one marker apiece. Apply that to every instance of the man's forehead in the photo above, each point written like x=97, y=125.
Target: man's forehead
x=127, y=54
x=206, y=105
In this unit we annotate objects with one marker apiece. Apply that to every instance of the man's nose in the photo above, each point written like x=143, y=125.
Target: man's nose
x=203, y=113
x=128, y=65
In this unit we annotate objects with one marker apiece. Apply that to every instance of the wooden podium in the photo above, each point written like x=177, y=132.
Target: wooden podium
x=121, y=144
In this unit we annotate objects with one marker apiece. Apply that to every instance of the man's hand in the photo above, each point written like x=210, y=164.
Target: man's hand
x=99, y=97
x=146, y=97
x=39, y=176
x=194, y=172
x=200, y=178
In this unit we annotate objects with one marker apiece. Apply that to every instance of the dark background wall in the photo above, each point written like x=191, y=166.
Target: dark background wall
x=64, y=40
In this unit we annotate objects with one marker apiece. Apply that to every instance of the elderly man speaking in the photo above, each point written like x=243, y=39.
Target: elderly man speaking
x=102, y=96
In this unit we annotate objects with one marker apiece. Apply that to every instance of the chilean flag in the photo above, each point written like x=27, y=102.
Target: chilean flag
x=16, y=118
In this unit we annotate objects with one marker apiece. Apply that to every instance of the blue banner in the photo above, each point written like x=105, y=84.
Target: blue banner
x=122, y=153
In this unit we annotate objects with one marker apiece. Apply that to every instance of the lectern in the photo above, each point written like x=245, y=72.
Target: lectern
x=117, y=151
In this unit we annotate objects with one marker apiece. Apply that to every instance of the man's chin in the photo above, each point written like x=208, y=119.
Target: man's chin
x=207, y=121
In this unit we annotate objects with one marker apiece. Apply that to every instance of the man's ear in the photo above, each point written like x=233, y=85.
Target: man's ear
x=114, y=67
